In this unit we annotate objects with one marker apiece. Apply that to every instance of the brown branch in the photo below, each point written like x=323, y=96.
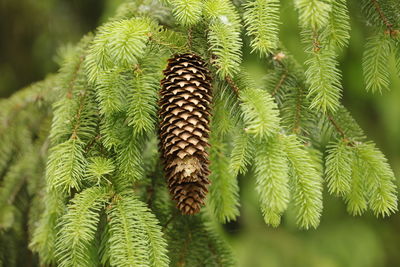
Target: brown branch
x=190, y=38
x=297, y=120
x=316, y=42
x=336, y=125
x=161, y=42
x=348, y=141
x=280, y=83
x=78, y=115
x=297, y=115
x=385, y=20
x=232, y=84
x=92, y=143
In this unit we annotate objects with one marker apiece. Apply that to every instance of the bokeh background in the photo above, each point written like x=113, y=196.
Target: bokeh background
x=33, y=32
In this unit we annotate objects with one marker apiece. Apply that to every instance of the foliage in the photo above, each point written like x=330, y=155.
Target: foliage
x=262, y=21
x=382, y=16
x=101, y=198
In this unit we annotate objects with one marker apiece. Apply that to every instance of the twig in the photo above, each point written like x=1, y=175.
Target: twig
x=280, y=83
x=385, y=20
x=232, y=84
x=336, y=125
x=92, y=142
x=190, y=38
x=297, y=118
x=78, y=115
x=169, y=221
x=297, y=115
x=171, y=46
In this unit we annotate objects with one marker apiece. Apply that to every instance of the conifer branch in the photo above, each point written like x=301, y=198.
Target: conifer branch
x=78, y=116
x=187, y=12
x=336, y=125
x=175, y=41
x=232, y=84
x=224, y=36
x=297, y=116
x=339, y=164
x=224, y=189
x=280, y=83
x=79, y=226
x=74, y=77
x=103, y=155
x=261, y=18
x=307, y=183
x=337, y=32
x=294, y=107
x=357, y=202
x=242, y=152
x=272, y=173
x=375, y=58
x=384, y=19
x=90, y=145
x=324, y=79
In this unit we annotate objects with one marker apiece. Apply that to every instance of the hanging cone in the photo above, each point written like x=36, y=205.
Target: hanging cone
x=184, y=130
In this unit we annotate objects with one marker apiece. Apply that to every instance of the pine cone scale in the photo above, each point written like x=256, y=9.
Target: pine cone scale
x=184, y=130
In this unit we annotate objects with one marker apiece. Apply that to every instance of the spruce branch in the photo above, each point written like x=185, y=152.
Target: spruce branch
x=290, y=93
x=224, y=188
x=226, y=111
x=143, y=94
x=345, y=124
x=66, y=166
x=384, y=19
x=259, y=111
x=323, y=77
x=129, y=160
x=195, y=242
x=242, y=152
x=336, y=126
x=174, y=41
x=99, y=168
x=313, y=14
x=279, y=85
x=261, y=19
x=232, y=84
x=187, y=12
x=110, y=91
x=339, y=164
x=272, y=174
x=78, y=228
x=306, y=184
x=127, y=240
x=134, y=234
x=337, y=31
x=44, y=237
x=118, y=44
x=375, y=67
x=104, y=149
x=397, y=57
x=224, y=36
x=356, y=199
x=379, y=180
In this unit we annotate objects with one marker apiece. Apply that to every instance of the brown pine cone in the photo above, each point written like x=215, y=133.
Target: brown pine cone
x=184, y=130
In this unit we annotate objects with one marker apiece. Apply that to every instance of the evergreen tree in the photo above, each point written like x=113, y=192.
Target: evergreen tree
x=81, y=176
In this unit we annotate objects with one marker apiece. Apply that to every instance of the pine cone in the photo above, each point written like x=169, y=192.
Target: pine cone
x=184, y=127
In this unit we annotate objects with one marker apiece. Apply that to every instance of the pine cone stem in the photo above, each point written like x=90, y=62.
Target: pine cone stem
x=184, y=130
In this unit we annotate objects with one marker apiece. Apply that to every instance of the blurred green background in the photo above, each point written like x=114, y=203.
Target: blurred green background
x=32, y=32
